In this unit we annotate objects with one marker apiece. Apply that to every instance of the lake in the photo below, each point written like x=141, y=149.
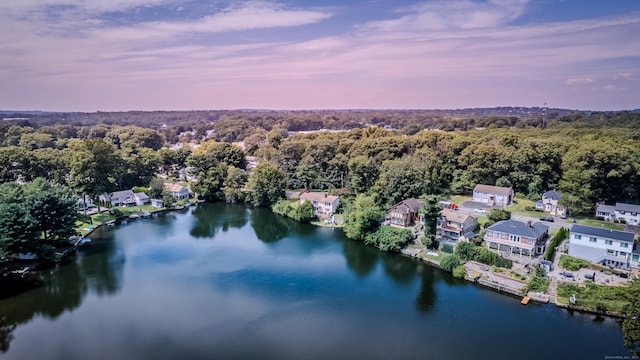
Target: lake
x=229, y=282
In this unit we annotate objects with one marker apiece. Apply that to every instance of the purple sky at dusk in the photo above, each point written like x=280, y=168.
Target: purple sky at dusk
x=116, y=55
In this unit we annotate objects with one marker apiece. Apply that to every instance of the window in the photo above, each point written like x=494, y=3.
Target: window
x=577, y=237
x=635, y=257
x=610, y=252
x=515, y=238
x=622, y=253
x=593, y=239
x=608, y=242
x=624, y=244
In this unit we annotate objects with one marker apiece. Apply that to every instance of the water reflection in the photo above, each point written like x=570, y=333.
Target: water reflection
x=361, y=259
x=211, y=218
x=402, y=270
x=427, y=296
x=269, y=227
x=96, y=269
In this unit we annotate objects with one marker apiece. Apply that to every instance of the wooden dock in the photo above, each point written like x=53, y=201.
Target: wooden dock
x=525, y=300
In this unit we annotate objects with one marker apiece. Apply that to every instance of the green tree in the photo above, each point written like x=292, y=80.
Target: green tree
x=233, y=184
x=211, y=183
x=465, y=250
x=267, y=184
x=450, y=262
x=363, y=173
x=362, y=217
x=431, y=212
x=631, y=324
x=496, y=215
x=305, y=212
x=94, y=165
x=387, y=238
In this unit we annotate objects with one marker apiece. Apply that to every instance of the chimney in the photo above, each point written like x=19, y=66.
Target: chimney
x=529, y=223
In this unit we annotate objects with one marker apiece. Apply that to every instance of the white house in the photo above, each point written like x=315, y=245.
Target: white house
x=453, y=224
x=517, y=237
x=156, y=203
x=628, y=213
x=84, y=202
x=603, y=246
x=549, y=203
x=177, y=191
x=125, y=198
x=323, y=203
x=493, y=195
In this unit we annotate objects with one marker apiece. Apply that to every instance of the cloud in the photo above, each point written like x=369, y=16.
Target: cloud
x=455, y=14
x=623, y=76
x=579, y=81
x=610, y=88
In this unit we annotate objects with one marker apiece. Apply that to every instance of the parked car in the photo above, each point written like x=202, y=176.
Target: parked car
x=547, y=218
x=481, y=211
x=567, y=274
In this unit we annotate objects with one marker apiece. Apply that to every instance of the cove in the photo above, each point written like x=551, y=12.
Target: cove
x=231, y=282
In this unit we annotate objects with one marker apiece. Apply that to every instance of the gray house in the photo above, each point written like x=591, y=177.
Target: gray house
x=517, y=237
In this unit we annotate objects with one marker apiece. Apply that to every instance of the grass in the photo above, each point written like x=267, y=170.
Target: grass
x=519, y=207
x=584, y=220
x=573, y=264
x=597, y=297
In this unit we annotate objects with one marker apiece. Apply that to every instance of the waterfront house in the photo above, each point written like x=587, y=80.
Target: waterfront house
x=177, y=191
x=453, y=224
x=405, y=213
x=323, y=203
x=124, y=198
x=603, y=246
x=84, y=202
x=157, y=203
x=493, y=195
x=517, y=237
x=621, y=212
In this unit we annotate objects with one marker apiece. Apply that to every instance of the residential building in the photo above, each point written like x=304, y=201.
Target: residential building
x=621, y=212
x=125, y=198
x=603, y=246
x=493, y=195
x=549, y=203
x=405, y=213
x=176, y=190
x=517, y=237
x=157, y=203
x=453, y=224
x=323, y=203
x=84, y=202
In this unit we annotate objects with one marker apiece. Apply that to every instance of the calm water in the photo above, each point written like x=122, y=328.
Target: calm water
x=227, y=282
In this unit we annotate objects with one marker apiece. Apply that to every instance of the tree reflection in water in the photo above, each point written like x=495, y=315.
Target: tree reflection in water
x=269, y=227
x=210, y=219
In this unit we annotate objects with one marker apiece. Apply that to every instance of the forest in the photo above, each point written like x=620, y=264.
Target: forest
x=589, y=157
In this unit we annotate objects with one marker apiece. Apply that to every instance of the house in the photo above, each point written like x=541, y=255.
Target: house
x=125, y=198
x=549, y=203
x=603, y=246
x=156, y=203
x=517, y=237
x=176, y=190
x=621, y=212
x=323, y=203
x=493, y=195
x=84, y=202
x=405, y=213
x=453, y=224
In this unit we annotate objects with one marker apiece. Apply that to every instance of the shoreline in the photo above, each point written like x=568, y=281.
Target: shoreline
x=544, y=299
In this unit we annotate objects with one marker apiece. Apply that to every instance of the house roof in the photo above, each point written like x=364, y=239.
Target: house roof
x=119, y=196
x=142, y=196
x=628, y=207
x=408, y=205
x=552, y=194
x=519, y=228
x=605, y=208
x=493, y=189
x=174, y=187
x=455, y=216
x=603, y=232
x=318, y=196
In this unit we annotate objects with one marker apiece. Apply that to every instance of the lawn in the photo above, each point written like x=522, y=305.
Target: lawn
x=520, y=207
x=585, y=220
x=599, y=297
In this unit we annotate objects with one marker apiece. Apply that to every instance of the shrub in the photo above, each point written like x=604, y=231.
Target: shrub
x=389, y=239
x=573, y=264
x=496, y=215
x=561, y=235
x=449, y=262
x=448, y=248
x=539, y=282
x=459, y=272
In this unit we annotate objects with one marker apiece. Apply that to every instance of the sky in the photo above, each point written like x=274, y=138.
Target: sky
x=120, y=55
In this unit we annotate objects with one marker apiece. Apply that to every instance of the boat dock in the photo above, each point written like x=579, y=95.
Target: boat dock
x=525, y=300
